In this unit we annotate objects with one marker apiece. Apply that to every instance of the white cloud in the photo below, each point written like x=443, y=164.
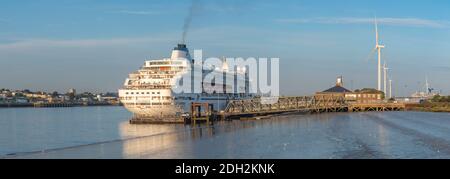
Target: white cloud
x=39, y=43
x=199, y=35
x=414, y=22
x=130, y=12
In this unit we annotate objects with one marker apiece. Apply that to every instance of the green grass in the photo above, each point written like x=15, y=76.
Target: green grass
x=432, y=107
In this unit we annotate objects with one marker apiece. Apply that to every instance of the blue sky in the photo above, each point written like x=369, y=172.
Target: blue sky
x=92, y=45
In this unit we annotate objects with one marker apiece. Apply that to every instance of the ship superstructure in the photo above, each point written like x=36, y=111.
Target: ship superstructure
x=149, y=92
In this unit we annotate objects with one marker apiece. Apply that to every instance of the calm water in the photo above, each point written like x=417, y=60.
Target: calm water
x=104, y=132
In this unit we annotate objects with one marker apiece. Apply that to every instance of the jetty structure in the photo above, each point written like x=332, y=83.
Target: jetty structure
x=335, y=99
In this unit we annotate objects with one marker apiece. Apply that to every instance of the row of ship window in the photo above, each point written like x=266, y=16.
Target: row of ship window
x=143, y=93
x=153, y=98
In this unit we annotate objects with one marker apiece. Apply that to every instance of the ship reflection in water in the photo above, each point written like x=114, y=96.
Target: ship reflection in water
x=364, y=135
x=344, y=135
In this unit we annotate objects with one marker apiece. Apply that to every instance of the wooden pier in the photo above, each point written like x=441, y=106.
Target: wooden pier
x=52, y=105
x=305, y=104
x=364, y=107
x=143, y=119
x=257, y=107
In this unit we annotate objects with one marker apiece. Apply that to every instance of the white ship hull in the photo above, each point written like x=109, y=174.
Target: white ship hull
x=154, y=111
x=148, y=93
x=178, y=108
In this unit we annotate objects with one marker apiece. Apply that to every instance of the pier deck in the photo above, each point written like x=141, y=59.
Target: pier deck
x=305, y=104
x=245, y=109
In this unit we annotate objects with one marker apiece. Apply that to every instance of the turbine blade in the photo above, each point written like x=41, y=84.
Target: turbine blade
x=370, y=56
x=376, y=31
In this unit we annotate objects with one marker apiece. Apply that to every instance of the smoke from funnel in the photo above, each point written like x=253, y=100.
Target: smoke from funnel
x=188, y=20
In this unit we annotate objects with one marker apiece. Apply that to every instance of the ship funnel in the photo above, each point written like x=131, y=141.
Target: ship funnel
x=340, y=81
x=181, y=51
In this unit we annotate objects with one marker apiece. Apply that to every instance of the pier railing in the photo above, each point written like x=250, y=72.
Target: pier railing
x=312, y=104
x=241, y=109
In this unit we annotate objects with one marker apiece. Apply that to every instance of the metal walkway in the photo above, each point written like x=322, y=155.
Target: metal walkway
x=309, y=104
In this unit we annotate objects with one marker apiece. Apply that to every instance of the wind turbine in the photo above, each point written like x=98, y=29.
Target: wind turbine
x=390, y=88
x=378, y=47
x=385, y=68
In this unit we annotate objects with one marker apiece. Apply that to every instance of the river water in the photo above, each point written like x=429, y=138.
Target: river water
x=104, y=132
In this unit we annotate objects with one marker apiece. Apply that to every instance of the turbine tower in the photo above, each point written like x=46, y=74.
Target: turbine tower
x=378, y=47
x=390, y=88
x=385, y=68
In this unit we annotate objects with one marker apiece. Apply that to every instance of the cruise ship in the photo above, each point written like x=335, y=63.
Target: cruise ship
x=149, y=92
x=428, y=92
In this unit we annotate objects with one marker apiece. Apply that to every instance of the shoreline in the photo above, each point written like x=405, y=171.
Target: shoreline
x=8, y=106
x=433, y=110
x=430, y=107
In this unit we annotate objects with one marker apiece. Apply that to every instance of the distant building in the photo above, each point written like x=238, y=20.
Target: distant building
x=368, y=95
x=21, y=100
x=361, y=96
x=36, y=95
x=2, y=98
x=335, y=92
x=72, y=91
x=86, y=99
x=99, y=98
x=65, y=98
x=71, y=94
